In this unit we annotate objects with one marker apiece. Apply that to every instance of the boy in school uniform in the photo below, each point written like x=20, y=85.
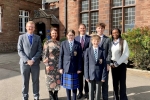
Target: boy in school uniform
x=95, y=67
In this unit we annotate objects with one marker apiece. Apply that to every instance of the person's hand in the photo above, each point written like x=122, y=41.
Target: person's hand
x=30, y=62
x=47, y=69
x=112, y=66
x=102, y=80
x=108, y=67
x=78, y=72
x=61, y=71
x=87, y=80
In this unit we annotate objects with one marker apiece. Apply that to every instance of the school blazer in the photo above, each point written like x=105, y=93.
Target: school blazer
x=70, y=61
x=95, y=70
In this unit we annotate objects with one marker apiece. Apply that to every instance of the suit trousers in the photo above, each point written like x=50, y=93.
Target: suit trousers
x=105, y=88
x=92, y=84
x=119, y=81
x=26, y=70
x=86, y=88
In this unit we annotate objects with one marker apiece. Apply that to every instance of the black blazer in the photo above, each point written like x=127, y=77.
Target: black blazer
x=95, y=70
x=70, y=62
x=106, y=45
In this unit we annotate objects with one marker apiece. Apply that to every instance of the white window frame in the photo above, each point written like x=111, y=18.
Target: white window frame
x=0, y=19
x=23, y=16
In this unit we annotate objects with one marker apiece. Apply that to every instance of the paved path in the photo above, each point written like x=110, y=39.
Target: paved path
x=138, y=83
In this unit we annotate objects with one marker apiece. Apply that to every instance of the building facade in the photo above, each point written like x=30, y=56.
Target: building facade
x=13, y=16
x=123, y=14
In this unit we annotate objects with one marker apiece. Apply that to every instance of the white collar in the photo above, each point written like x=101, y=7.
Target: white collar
x=95, y=48
x=71, y=41
x=117, y=41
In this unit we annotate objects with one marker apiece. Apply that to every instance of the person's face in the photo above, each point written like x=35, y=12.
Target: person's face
x=53, y=35
x=100, y=30
x=82, y=29
x=115, y=34
x=95, y=42
x=70, y=36
x=30, y=28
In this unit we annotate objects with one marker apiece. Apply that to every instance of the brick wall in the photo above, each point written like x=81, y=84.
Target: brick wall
x=142, y=17
x=10, y=22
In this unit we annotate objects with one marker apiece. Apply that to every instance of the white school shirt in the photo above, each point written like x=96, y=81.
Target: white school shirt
x=116, y=52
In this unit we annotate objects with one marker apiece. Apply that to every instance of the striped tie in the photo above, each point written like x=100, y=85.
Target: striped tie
x=95, y=54
x=70, y=45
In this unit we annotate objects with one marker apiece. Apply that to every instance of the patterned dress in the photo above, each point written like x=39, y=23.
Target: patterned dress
x=51, y=51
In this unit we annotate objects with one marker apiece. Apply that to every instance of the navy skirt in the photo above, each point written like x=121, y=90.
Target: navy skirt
x=70, y=81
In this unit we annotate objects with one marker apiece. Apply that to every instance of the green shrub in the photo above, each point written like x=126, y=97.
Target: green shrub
x=63, y=39
x=139, y=44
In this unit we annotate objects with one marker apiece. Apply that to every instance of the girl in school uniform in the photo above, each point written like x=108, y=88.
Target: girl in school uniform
x=119, y=60
x=70, y=61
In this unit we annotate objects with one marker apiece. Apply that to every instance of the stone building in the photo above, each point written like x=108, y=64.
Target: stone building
x=13, y=16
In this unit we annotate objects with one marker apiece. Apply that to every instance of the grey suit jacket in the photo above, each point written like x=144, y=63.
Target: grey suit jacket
x=27, y=51
x=106, y=45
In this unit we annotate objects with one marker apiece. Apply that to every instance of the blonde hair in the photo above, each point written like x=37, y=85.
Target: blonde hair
x=30, y=22
x=95, y=37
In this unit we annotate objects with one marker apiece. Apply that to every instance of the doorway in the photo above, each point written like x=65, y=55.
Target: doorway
x=40, y=29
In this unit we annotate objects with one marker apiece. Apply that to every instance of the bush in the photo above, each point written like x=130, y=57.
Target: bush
x=139, y=44
x=63, y=39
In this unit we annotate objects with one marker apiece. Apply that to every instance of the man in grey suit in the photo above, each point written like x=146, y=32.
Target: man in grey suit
x=29, y=50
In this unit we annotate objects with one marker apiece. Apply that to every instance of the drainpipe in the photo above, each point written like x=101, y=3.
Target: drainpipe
x=65, y=31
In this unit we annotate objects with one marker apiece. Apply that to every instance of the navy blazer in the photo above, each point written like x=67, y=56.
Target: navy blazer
x=70, y=62
x=106, y=45
x=95, y=70
x=86, y=42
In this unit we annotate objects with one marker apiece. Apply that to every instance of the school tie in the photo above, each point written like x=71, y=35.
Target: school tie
x=82, y=42
x=70, y=45
x=30, y=39
x=95, y=54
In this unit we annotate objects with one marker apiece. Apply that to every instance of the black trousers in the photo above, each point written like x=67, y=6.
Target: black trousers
x=86, y=88
x=119, y=82
x=69, y=94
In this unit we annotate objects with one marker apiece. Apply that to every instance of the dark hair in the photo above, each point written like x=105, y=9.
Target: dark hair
x=121, y=39
x=101, y=25
x=53, y=29
x=119, y=31
x=82, y=24
x=72, y=31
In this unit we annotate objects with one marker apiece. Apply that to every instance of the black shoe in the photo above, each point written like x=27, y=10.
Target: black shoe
x=51, y=95
x=55, y=95
x=86, y=95
x=79, y=96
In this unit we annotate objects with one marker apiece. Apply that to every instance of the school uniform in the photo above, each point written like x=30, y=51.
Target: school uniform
x=70, y=61
x=119, y=60
x=84, y=40
x=95, y=70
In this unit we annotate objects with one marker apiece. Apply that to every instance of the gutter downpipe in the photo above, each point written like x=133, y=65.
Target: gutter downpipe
x=65, y=31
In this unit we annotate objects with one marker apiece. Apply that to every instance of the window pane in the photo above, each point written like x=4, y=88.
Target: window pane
x=85, y=20
x=117, y=3
x=117, y=19
x=129, y=2
x=23, y=19
x=129, y=18
x=94, y=20
x=85, y=5
x=94, y=4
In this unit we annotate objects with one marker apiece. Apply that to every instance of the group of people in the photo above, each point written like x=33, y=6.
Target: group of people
x=81, y=62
